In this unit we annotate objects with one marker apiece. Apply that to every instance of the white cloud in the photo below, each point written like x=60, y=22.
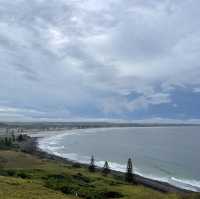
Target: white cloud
x=121, y=105
x=60, y=56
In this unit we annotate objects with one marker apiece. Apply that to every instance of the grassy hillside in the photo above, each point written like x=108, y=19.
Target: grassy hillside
x=17, y=188
x=23, y=176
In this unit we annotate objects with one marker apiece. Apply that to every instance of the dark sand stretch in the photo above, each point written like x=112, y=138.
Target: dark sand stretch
x=31, y=146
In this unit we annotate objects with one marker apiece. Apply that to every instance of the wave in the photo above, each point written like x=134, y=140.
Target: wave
x=51, y=145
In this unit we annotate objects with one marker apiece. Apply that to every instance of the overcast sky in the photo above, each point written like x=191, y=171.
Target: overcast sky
x=100, y=59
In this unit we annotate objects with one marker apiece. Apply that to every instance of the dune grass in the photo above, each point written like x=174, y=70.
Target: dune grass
x=25, y=176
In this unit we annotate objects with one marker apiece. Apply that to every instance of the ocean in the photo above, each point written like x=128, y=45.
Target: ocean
x=168, y=154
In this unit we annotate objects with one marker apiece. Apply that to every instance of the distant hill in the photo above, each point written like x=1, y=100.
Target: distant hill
x=81, y=125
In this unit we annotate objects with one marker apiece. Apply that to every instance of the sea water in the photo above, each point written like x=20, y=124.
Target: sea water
x=169, y=154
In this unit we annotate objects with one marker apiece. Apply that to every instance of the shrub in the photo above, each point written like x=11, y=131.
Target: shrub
x=23, y=175
x=11, y=172
x=112, y=194
x=76, y=165
x=81, y=178
x=106, y=168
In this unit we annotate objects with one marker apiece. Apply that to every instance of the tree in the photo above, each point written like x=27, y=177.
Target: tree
x=20, y=138
x=92, y=164
x=7, y=141
x=106, y=168
x=129, y=171
x=13, y=137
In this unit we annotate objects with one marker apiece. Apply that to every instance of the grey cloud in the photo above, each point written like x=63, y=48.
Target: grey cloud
x=62, y=55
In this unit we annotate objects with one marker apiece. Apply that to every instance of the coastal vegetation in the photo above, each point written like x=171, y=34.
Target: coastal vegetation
x=7, y=142
x=129, y=172
x=12, y=141
x=23, y=176
x=106, y=169
x=92, y=165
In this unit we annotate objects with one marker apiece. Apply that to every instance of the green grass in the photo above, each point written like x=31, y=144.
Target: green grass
x=24, y=176
x=16, y=188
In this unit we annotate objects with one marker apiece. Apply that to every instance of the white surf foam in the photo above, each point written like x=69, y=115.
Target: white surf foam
x=51, y=145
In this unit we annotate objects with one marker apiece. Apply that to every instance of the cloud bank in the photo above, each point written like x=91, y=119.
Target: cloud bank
x=114, y=59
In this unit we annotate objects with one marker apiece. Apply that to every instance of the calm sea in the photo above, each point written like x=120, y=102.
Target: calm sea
x=170, y=154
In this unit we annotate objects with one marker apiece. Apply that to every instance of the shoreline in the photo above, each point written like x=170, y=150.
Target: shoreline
x=31, y=146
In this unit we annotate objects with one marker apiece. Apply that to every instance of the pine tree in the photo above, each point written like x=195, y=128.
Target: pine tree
x=129, y=171
x=20, y=138
x=106, y=168
x=6, y=141
x=9, y=141
x=92, y=164
x=13, y=137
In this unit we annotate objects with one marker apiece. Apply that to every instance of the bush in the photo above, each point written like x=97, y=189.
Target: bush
x=100, y=194
x=81, y=178
x=7, y=172
x=112, y=194
x=6, y=143
x=23, y=175
x=11, y=172
x=67, y=189
x=57, y=177
x=76, y=165
x=106, y=169
x=21, y=138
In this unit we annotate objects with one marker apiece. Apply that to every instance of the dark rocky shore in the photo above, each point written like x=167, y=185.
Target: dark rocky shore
x=31, y=146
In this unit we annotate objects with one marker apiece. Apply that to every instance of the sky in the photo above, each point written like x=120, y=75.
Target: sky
x=120, y=60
